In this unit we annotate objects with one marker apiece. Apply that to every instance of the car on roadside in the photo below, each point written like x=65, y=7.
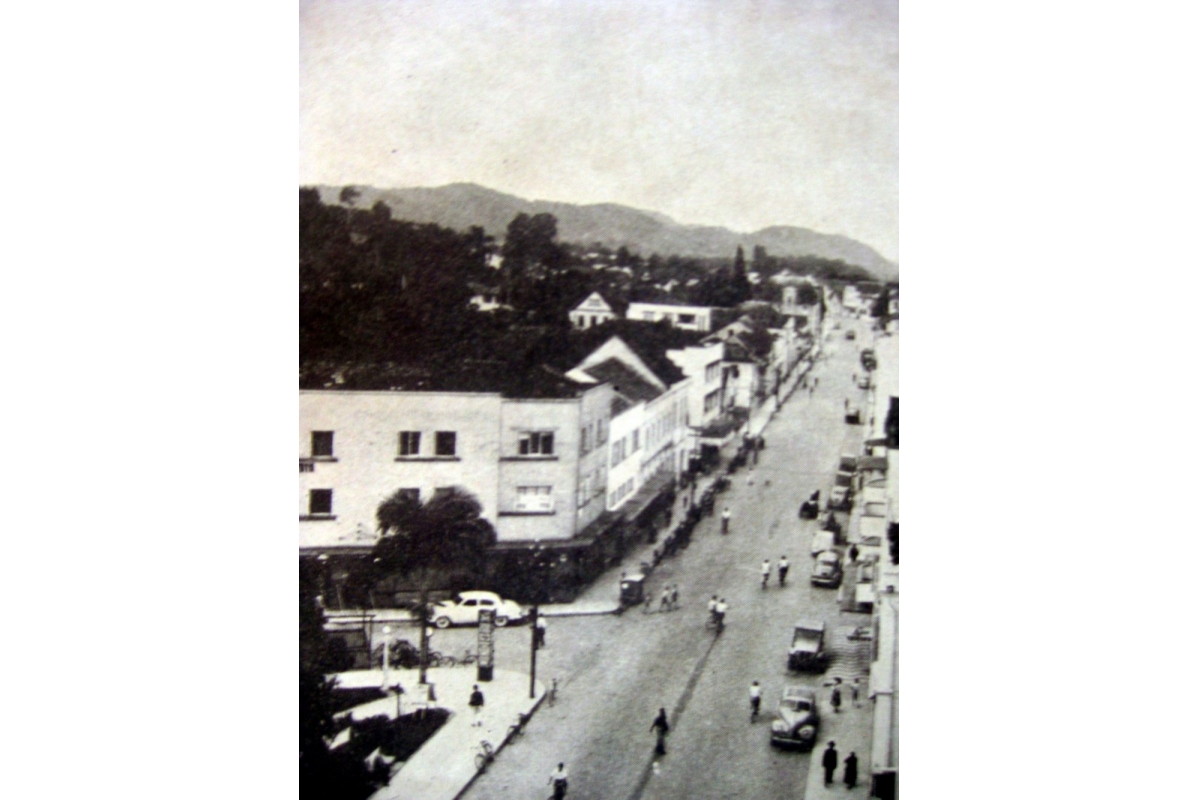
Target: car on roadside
x=797, y=720
x=464, y=608
x=853, y=415
x=850, y=334
x=827, y=571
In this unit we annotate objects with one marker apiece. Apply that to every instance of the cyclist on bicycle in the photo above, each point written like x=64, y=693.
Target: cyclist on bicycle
x=558, y=779
x=725, y=520
x=719, y=613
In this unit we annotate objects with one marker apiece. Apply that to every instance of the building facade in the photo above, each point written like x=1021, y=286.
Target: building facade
x=533, y=464
x=688, y=318
x=594, y=310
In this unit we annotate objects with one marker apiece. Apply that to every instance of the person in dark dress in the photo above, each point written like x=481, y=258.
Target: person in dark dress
x=829, y=761
x=661, y=727
x=851, y=774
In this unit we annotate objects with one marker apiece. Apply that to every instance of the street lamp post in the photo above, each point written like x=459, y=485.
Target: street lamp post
x=387, y=631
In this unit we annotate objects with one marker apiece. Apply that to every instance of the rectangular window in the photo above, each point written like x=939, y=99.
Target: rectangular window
x=322, y=444
x=635, y=444
x=601, y=431
x=320, y=501
x=585, y=443
x=537, y=443
x=534, y=498
x=687, y=319
x=410, y=443
x=446, y=443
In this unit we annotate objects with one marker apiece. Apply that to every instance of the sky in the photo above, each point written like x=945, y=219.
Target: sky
x=733, y=113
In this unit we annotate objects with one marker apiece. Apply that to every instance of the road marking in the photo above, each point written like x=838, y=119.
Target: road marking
x=680, y=704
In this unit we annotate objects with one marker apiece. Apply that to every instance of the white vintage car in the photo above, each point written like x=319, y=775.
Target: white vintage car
x=464, y=608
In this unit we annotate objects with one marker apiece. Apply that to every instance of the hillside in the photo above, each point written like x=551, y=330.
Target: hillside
x=460, y=205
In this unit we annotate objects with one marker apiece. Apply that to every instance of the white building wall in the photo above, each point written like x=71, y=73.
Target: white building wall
x=367, y=466
x=624, y=455
x=688, y=318
x=703, y=365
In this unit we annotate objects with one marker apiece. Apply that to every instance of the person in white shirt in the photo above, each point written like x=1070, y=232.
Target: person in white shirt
x=755, y=699
x=558, y=779
x=783, y=570
x=719, y=613
x=766, y=572
x=725, y=520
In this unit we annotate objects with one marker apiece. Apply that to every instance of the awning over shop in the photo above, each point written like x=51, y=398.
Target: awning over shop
x=878, y=463
x=871, y=530
x=648, y=500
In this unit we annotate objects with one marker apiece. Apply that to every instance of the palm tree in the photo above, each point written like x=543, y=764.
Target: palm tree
x=430, y=542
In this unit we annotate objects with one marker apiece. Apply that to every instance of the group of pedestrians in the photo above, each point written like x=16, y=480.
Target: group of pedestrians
x=717, y=607
x=667, y=601
x=829, y=762
x=782, y=567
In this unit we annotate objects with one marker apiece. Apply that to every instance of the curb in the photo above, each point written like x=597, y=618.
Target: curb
x=579, y=613
x=496, y=753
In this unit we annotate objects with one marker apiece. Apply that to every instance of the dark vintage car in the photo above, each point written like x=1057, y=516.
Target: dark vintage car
x=827, y=571
x=797, y=719
x=807, y=652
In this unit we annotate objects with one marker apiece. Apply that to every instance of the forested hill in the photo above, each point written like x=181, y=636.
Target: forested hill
x=461, y=205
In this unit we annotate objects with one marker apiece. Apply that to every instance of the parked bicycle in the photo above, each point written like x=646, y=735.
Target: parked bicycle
x=518, y=727
x=485, y=756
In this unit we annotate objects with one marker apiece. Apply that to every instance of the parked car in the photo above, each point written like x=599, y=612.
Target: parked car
x=853, y=415
x=827, y=571
x=464, y=608
x=798, y=721
x=821, y=541
x=807, y=651
x=839, y=498
x=850, y=334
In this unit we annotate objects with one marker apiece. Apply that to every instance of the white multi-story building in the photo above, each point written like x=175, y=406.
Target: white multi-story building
x=537, y=466
x=649, y=434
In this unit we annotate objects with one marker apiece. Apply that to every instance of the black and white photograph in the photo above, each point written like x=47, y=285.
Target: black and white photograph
x=599, y=400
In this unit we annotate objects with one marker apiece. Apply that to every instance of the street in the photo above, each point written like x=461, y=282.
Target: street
x=615, y=672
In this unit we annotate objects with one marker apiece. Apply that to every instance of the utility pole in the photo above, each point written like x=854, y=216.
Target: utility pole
x=533, y=643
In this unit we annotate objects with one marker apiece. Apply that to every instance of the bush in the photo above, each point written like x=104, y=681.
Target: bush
x=395, y=738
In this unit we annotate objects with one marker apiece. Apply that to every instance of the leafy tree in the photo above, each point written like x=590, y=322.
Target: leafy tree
x=427, y=542
x=348, y=195
x=879, y=309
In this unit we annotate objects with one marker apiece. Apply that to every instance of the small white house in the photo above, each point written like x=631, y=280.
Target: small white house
x=593, y=311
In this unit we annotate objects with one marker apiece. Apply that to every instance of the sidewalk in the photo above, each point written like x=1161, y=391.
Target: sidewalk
x=851, y=730
x=445, y=765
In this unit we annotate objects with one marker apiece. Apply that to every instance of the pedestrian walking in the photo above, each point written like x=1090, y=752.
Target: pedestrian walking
x=661, y=729
x=664, y=603
x=851, y=773
x=854, y=694
x=755, y=699
x=725, y=515
x=783, y=570
x=853, y=553
x=540, y=631
x=766, y=572
x=829, y=762
x=675, y=597
x=558, y=779
x=476, y=704
x=835, y=697
x=750, y=477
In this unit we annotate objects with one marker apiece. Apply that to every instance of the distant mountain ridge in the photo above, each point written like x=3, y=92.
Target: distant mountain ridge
x=461, y=205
